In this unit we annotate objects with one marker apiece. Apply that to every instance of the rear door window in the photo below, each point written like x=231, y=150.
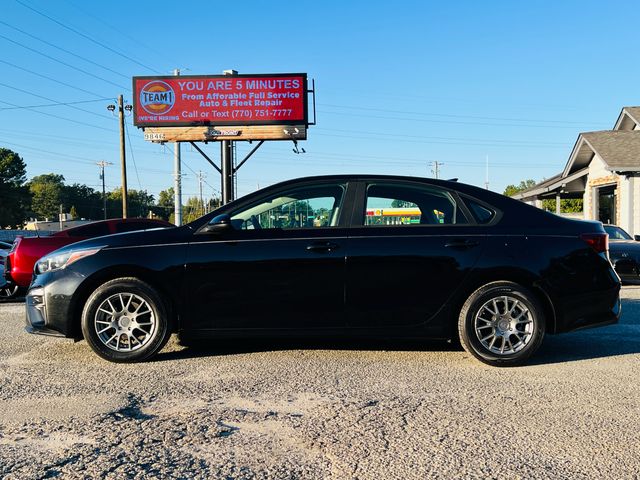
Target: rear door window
x=398, y=205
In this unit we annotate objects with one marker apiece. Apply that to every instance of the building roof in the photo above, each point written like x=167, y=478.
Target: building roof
x=555, y=184
x=628, y=119
x=618, y=149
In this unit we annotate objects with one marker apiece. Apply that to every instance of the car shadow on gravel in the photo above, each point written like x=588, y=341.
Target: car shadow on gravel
x=614, y=340
x=611, y=341
x=236, y=346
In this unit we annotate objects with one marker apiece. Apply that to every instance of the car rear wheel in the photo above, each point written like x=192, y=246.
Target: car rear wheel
x=501, y=324
x=125, y=320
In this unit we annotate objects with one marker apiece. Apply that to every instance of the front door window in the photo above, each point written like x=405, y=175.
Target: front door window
x=311, y=207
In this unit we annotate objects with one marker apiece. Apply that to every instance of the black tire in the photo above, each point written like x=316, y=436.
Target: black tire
x=118, y=291
x=478, y=327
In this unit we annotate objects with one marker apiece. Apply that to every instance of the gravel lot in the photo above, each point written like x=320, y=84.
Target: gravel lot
x=321, y=410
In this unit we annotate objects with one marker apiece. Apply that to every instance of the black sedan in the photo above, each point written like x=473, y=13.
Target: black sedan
x=624, y=252
x=357, y=255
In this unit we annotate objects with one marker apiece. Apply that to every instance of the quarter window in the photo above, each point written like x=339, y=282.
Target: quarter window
x=310, y=207
x=410, y=205
x=481, y=213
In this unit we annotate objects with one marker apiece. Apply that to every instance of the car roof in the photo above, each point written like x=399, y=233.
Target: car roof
x=487, y=195
x=117, y=221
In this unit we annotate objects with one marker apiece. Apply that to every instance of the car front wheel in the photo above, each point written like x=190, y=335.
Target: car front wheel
x=125, y=320
x=501, y=324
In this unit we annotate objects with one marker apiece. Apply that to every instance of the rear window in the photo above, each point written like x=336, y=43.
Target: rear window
x=133, y=226
x=91, y=230
x=482, y=213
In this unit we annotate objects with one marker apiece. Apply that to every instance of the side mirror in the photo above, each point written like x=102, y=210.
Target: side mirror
x=218, y=224
x=636, y=238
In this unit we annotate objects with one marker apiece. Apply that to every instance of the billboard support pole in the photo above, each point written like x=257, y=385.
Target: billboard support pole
x=177, y=182
x=123, y=158
x=226, y=160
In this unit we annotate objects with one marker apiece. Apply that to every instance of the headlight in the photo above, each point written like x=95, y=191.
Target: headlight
x=56, y=262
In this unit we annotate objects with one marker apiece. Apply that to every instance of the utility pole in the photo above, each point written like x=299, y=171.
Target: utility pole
x=177, y=183
x=486, y=178
x=200, y=179
x=123, y=157
x=436, y=168
x=103, y=164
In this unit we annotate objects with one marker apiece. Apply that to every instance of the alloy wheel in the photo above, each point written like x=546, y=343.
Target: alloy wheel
x=125, y=322
x=504, y=325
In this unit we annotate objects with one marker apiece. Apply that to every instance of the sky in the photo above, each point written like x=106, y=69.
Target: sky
x=399, y=85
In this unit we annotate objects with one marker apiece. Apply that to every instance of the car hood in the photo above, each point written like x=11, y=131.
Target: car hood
x=153, y=236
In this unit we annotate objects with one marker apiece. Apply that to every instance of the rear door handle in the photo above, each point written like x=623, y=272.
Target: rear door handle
x=462, y=244
x=322, y=247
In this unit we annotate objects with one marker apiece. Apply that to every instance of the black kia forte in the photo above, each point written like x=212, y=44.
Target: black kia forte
x=357, y=256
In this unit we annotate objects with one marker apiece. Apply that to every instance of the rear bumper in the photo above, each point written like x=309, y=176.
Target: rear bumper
x=595, y=309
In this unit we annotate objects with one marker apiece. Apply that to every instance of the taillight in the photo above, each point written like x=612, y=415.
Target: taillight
x=598, y=241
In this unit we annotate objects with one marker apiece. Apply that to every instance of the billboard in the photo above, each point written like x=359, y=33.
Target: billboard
x=213, y=100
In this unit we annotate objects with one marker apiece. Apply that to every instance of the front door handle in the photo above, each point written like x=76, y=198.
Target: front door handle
x=322, y=247
x=461, y=244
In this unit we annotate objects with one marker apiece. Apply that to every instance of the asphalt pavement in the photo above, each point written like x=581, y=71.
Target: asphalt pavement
x=331, y=409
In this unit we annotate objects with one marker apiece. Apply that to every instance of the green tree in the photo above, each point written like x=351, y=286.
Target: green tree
x=166, y=205
x=139, y=203
x=15, y=199
x=73, y=212
x=567, y=205
x=511, y=190
x=87, y=201
x=47, y=195
x=193, y=210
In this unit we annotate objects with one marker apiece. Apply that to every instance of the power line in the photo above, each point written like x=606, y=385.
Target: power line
x=70, y=104
x=54, y=104
x=65, y=63
x=65, y=50
x=425, y=120
x=133, y=159
x=478, y=144
x=63, y=25
x=119, y=31
x=514, y=142
x=450, y=115
x=59, y=117
x=66, y=156
x=50, y=78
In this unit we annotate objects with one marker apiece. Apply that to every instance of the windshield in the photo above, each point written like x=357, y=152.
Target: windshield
x=616, y=233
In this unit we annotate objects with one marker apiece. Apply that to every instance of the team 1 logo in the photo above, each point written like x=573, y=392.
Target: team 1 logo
x=157, y=97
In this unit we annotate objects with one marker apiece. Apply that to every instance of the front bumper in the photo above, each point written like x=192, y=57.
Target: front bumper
x=37, y=314
x=49, y=304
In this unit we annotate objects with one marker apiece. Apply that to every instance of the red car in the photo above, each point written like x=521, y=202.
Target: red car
x=26, y=251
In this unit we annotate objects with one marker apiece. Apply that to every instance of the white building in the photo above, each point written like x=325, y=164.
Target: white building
x=603, y=170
